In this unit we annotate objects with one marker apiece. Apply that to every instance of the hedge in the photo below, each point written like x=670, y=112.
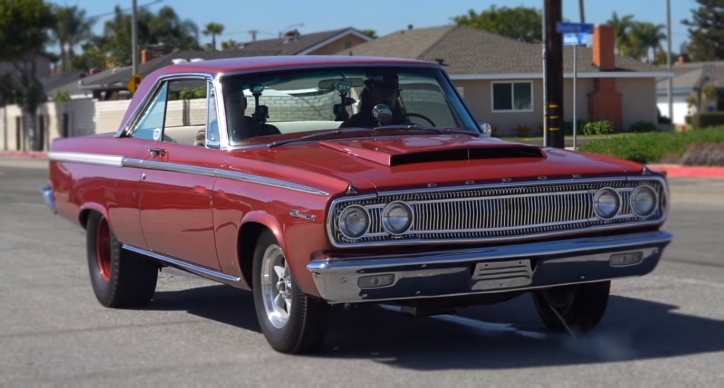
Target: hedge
x=652, y=147
x=705, y=119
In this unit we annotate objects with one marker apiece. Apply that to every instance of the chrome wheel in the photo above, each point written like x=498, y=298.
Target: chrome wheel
x=276, y=286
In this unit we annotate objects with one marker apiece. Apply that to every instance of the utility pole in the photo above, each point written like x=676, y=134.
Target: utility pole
x=669, y=97
x=134, y=39
x=545, y=98
x=553, y=13
x=580, y=8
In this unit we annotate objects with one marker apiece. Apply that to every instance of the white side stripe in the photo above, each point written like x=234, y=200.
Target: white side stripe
x=103, y=160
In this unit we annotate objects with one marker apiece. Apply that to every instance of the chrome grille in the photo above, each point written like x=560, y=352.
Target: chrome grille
x=495, y=213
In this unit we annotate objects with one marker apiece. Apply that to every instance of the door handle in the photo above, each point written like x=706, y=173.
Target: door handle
x=157, y=151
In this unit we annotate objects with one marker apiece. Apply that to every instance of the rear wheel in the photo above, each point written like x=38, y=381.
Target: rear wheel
x=119, y=278
x=291, y=321
x=580, y=306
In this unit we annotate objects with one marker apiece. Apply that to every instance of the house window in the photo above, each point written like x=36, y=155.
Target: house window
x=513, y=96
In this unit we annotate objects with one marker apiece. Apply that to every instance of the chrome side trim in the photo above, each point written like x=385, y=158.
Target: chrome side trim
x=195, y=269
x=120, y=161
x=87, y=158
x=239, y=176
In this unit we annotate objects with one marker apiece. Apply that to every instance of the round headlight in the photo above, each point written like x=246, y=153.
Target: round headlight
x=397, y=217
x=643, y=201
x=606, y=203
x=354, y=221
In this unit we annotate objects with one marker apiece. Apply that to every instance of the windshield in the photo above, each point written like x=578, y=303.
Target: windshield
x=267, y=107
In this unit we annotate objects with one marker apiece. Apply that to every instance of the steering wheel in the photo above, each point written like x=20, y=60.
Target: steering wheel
x=420, y=116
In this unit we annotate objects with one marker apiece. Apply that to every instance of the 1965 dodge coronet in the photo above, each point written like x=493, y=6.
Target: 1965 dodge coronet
x=321, y=180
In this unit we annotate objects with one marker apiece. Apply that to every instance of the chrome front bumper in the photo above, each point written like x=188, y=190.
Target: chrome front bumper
x=486, y=270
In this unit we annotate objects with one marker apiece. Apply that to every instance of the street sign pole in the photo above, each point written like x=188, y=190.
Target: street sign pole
x=545, y=95
x=574, y=34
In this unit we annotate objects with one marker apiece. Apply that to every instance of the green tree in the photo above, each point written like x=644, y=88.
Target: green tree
x=645, y=37
x=706, y=31
x=371, y=33
x=213, y=29
x=24, y=26
x=622, y=26
x=164, y=27
x=72, y=28
x=92, y=57
x=521, y=23
x=228, y=44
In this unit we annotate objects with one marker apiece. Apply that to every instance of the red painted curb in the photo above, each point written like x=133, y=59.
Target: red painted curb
x=689, y=171
x=23, y=154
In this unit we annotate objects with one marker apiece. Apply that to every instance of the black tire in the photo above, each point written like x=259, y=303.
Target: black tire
x=582, y=308
x=132, y=279
x=304, y=329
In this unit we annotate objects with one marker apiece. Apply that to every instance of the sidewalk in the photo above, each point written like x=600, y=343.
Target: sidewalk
x=23, y=154
x=677, y=171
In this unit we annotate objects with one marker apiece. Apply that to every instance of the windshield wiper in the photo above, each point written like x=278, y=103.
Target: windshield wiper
x=320, y=134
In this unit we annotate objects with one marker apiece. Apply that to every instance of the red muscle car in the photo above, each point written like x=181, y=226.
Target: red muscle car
x=316, y=181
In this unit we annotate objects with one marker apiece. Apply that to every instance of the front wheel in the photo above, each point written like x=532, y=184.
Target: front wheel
x=291, y=321
x=580, y=306
x=119, y=278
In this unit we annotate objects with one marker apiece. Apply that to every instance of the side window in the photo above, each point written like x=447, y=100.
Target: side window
x=212, y=131
x=186, y=112
x=151, y=124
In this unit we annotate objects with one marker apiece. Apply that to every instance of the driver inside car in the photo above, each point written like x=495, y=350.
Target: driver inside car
x=379, y=89
x=240, y=126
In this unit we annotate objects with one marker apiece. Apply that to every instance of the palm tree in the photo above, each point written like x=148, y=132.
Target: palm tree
x=229, y=44
x=72, y=28
x=213, y=29
x=644, y=37
x=622, y=27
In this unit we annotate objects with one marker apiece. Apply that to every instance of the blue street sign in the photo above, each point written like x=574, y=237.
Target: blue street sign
x=574, y=28
x=575, y=39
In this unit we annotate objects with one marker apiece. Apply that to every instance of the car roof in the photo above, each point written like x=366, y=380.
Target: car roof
x=230, y=65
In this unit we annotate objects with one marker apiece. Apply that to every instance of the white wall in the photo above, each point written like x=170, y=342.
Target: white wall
x=681, y=110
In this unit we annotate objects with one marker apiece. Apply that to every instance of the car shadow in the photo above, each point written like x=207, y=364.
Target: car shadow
x=478, y=337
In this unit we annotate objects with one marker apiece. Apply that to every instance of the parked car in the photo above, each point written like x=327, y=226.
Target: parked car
x=351, y=180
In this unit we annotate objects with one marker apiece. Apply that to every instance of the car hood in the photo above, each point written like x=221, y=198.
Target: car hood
x=419, y=161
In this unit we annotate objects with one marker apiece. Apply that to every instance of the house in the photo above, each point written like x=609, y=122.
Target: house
x=688, y=78
x=501, y=79
x=317, y=43
x=111, y=84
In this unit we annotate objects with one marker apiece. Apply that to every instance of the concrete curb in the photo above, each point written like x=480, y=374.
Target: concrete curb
x=23, y=154
x=677, y=171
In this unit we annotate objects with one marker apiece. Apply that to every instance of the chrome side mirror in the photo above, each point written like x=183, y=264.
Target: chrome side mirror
x=382, y=113
x=486, y=129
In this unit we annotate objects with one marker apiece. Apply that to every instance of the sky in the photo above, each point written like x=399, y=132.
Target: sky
x=384, y=16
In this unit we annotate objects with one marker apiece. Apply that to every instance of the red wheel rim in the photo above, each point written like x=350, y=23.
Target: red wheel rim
x=103, y=249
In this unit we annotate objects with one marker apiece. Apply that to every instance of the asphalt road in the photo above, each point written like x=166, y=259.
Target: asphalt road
x=663, y=329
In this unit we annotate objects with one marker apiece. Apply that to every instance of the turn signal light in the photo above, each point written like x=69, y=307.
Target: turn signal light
x=375, y=281
x=624, y=259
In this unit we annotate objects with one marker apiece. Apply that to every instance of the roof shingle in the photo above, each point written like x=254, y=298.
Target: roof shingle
x=467, y=50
